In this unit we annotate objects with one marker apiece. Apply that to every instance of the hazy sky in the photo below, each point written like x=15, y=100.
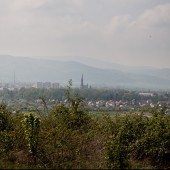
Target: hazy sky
x=131, y=32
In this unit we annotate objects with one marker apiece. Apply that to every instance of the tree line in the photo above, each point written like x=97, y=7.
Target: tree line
x=88, y=94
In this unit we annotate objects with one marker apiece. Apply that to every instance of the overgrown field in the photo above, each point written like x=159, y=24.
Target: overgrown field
x=68, y=137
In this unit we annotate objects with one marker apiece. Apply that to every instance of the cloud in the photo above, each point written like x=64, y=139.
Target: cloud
x=158, y=16
x=117, y=24
x=26, y=4
x=142, y=40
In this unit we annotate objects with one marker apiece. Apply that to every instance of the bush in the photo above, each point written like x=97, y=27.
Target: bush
x=5, y=118
x=139, y=138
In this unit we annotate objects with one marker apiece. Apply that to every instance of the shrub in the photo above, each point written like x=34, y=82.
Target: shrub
x=31, y=126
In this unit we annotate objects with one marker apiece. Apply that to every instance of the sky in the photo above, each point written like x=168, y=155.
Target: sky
x=129, y=32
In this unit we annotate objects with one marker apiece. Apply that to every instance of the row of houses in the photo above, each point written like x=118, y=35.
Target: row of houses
x=127, y=104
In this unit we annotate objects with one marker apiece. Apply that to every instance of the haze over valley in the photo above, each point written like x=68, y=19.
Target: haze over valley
x=98, y=75
x=113, y=43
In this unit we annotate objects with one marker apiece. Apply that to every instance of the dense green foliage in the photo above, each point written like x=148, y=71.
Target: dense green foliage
x=137, y=137
x=67, y=136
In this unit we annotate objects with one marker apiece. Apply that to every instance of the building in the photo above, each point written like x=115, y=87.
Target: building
x=39, y=85
x=55, y=85
x=47, y=85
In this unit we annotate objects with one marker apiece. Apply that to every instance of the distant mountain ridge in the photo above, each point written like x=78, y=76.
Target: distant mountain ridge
x=29, y=69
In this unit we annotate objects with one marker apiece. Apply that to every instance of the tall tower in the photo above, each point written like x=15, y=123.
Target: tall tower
x=14, y=79
x=82, y=84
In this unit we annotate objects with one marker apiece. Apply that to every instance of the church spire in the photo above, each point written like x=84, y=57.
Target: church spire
x=82, y=84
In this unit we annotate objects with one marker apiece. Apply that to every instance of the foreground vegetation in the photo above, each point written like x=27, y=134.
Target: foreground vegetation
x=69, y=137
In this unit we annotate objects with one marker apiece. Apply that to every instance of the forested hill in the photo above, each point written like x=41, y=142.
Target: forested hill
x=29, y=69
